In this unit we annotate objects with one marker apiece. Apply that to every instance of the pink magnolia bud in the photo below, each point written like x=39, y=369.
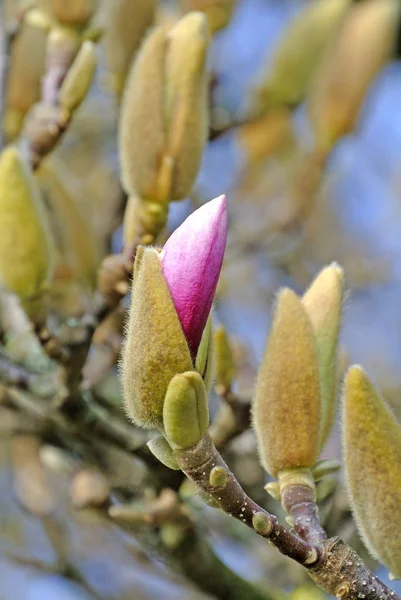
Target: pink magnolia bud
x=191, y=263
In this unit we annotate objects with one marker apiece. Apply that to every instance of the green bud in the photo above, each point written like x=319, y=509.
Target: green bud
x=24, y=233
x=323, y=302
x=204, y=351
x=186, y=410
x=287, y=405
x=273, y=489
x=127, y=23
x=164, y=116
x=298, y=53
x=161, y=449
x=262, y=523
x=224, y=359
x=155, y=349
x=218, y=476
x=79, y=77
x=372, y=446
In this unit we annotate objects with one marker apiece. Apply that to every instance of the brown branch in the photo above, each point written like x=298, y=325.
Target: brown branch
x=299, y=501
x=332, y=564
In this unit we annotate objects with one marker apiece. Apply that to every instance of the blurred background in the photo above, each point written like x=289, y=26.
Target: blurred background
x=312, y=176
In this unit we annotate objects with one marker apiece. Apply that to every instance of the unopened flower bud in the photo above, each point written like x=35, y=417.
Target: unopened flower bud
x=163, y=126
x=323, y=302
x=298, y=53
x=363, y=46
x=286, y=413
x=75, y=13
x=218, y=12
x=24, y=234
x=127, y=23
x=186, y=410
x=372, y=445
x=79, y=78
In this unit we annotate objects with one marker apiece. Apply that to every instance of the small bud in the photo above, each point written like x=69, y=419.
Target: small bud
x=364, y=44
x=218, y=12
x=218, y=476
x=262, y=523
x=298, y=53
x=79, y=78
x=372, y=445
x=273, y=489
x=224, y=359
x=24, y=234
x=127, y=23
x=161, y=449
x=191, y=263
x=75, y=13
x=163, y=125
x=155, y=348
x=186, y=410
x=286, y=413
x=323, y=302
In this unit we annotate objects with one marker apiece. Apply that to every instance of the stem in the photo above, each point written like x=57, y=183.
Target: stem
x=334, y=566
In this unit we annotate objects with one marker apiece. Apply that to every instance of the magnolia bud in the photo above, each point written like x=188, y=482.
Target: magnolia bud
x=25, y=69
x=79, y=78
x=75, y=13
x=163, y=126
x=323, y=302
x=224, y=360
x=218, y=12
x=155, y=348
x=186, y=410
x=299, y=52
x=372, y=445
x=127, y=23
x=286, y=412
x=364, y=44
x=24, y=234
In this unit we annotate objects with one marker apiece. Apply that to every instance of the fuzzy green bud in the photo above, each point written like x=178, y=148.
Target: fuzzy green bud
x=287, y=405
x=298, y=53
x=163, y=125
x=155, y=349
x=127, y=23
x=224, y=359
x=79, y=78
x=24, y=233
x=323, y=302
x=186, y=410
x=372, y=445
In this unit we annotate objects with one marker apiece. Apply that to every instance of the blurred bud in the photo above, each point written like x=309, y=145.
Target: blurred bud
x=323, y=302
x=218, y=12
x=25, y=69
x=155, y=348
x=62, y=47
x=191, y=264
x=24, y=234
x=161, y=449
x=372, y=445
x=79, y=78
x=163, y=125
x=127, y=23
x=224, y=359
x=74, y=13
x=363, y=46
x=298, y=53
x=286, y=413
x=186, y=410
